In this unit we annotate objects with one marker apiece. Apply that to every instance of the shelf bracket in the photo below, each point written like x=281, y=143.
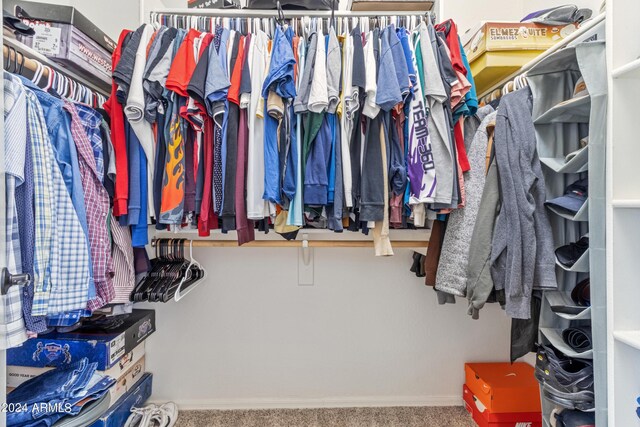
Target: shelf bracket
x=305, y=262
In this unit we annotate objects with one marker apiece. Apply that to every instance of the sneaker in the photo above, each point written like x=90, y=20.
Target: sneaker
x=568, y=255
x=140, y=416
x=574, y=418
x=164, y=416
x=566, y=382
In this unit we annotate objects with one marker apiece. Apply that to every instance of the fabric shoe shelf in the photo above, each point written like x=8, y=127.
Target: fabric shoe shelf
x=580, y=266
x=581, y=216
x=623, y=213
x=562, y=117
x=564, y=307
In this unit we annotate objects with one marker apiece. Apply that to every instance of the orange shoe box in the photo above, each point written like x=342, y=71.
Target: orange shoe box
x=504, y=387
x=485, y=418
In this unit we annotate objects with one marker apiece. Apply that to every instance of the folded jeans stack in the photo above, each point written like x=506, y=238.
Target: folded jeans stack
x=59, y=393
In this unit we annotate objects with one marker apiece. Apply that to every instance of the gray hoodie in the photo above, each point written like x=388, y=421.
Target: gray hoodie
x=522, y=254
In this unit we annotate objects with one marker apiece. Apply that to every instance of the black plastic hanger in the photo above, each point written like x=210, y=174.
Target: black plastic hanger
x=280, y=18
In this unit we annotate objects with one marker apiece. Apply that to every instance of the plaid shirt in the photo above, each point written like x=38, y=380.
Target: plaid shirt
x=97, y=204
x=43, y=203
x=125, y=275
x=61, y=261
x=15, y=118
x=12, y=328
x=91, y=121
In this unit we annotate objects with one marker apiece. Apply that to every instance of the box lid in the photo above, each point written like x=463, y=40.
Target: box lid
x=104, y=329
x=505, y=375
x=504, y=387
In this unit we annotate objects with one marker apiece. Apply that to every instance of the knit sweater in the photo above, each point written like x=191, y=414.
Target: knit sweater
x=452, y=271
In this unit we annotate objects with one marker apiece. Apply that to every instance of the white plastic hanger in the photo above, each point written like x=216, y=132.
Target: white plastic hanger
x=37, y=75
x=179, y=295
x=49, y=78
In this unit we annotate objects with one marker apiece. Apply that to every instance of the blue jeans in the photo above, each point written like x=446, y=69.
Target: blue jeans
x=97, y=388
x=58, y=385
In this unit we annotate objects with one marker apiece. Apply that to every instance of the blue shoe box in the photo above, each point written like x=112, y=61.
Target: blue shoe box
x=104, y=342
x=118, y=413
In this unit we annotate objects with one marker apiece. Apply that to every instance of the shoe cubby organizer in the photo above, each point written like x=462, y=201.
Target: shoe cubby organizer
x=562, y=119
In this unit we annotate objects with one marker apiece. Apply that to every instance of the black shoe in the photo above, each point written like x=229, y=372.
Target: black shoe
x=581, y=294
x=567, y=255
x=566, y=382
x=574, y=418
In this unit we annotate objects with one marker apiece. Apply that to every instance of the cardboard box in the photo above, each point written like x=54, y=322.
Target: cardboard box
x=127, y=381
x=118, y=413
x=513, y=36
x=105, y=343
x=53, y=13
x=391, y=5
x=16, y=375
x=485, y=418
x=496, y=50
x=504, y=387
x=68, y=37
x=69, y=46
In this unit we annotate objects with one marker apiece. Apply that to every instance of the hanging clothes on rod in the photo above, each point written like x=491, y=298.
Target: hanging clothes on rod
x=327, y=120
x=59, y=176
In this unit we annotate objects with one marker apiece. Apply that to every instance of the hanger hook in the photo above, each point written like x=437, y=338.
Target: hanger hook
x=333, y=13
x=280, y=19
x=7, y=66
x=22, y=61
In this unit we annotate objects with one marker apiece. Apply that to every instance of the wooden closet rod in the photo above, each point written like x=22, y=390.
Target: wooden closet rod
x=298, y=243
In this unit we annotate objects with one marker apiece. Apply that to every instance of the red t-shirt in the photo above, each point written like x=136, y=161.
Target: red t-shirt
x=453, y=42
x=118, y=139
x=183, y=66
x=458, y=133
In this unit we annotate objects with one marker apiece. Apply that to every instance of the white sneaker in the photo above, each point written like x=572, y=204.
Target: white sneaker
x=168, y=414
x=140, y=416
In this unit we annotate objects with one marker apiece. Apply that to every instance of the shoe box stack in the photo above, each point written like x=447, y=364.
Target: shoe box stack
x=502, y=394
x=115, y=343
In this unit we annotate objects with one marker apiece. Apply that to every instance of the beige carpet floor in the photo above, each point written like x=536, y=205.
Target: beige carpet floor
x=449, y=416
